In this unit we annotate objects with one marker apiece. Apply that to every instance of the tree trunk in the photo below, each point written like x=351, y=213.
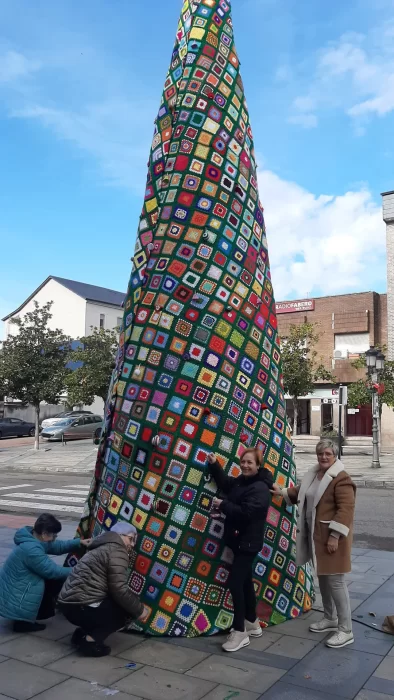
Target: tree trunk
x=37, y=433
x=295, y=417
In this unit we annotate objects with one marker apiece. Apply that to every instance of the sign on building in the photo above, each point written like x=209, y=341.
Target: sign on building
x=289, y=307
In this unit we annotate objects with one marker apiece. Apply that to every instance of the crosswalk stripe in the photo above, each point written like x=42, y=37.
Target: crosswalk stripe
x=77, y=486
x=76, y=492
x=17, y=486
x=40, y=506
x=43, y=497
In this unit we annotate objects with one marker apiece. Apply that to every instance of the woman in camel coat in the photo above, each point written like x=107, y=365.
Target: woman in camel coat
x=326, y=501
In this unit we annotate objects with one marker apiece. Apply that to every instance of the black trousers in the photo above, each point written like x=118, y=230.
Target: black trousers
x=48, y=604
x=242, y=590
x=99, y=622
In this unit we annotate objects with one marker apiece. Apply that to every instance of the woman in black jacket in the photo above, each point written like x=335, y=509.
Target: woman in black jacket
x=245, y=505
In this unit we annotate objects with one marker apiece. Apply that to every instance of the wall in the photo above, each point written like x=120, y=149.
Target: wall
x=347, y=313
x=93, y=311
x=68, y=309
x=15, y=410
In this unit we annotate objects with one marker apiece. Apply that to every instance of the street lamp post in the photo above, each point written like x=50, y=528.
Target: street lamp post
x=375, y=365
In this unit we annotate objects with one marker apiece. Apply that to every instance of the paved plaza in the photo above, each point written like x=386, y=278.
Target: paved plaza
x=287, y=663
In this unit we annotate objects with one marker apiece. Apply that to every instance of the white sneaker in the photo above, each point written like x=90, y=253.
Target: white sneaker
x=340, y=639
x=253, y=628
x=324, y=626
x=236, y=640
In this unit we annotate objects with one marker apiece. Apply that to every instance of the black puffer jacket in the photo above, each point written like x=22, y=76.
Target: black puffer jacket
x=102, y=573
x=245, y=505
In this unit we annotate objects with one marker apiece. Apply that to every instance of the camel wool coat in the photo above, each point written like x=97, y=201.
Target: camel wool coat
x=333, y=514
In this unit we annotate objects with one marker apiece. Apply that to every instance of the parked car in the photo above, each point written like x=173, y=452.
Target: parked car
x=11, y=427
x=72, y=428
x=60, y=416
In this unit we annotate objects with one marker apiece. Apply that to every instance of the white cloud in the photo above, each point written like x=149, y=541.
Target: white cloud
x=354, y=74
x=308, y=121
x=92, y=116
x=14, y=66
x=106, y=131
x=321, y=244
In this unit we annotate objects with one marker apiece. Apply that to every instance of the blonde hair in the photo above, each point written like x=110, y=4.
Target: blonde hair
x=256, y=454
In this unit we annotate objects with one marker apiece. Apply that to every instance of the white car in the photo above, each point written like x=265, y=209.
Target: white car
x=61, y=416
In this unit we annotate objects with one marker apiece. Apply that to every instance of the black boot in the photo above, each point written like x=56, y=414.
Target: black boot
x=95, y=649
x=22, y=626
x=77, y=637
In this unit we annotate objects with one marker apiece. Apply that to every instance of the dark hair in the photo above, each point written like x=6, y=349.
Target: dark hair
x=47, y=523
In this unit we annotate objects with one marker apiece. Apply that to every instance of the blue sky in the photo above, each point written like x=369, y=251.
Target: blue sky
x=80, y=85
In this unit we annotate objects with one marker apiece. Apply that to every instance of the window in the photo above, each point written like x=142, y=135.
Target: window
x=351, y=343
x=89, y=419
x=102, y=320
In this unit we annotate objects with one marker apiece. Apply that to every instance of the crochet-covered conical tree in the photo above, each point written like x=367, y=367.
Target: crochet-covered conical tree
x=198, y=368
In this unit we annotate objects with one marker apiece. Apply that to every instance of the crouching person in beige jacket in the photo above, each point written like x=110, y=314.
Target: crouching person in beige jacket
x=326, y=501
x=96, y=597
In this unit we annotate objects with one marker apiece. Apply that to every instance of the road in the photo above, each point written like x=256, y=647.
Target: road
x=65, y=495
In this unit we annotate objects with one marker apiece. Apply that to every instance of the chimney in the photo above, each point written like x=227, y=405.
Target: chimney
x=388, y=218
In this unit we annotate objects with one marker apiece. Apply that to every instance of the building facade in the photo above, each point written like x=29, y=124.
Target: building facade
x=347, y=325
x=77, y=307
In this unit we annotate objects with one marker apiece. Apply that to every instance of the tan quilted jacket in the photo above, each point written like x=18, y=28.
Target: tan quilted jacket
x=100, y=574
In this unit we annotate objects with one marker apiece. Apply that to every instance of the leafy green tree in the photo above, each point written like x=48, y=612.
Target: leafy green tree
x=360, y=392
x=91, y=374
x=33, y=361
x=300, y=365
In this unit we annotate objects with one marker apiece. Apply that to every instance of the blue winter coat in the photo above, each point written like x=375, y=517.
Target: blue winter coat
x=22, y=577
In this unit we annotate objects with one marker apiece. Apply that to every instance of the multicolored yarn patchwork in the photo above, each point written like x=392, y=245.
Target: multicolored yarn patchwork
x=198, y=368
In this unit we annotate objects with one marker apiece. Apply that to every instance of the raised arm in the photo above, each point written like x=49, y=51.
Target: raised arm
x=224, y=483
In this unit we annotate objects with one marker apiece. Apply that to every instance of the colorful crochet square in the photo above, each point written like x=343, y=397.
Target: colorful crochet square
x=198, y=368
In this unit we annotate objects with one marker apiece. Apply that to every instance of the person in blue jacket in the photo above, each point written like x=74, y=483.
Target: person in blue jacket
x=29, y=580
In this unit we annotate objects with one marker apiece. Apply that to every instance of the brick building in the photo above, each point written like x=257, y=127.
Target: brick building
x=348, y=324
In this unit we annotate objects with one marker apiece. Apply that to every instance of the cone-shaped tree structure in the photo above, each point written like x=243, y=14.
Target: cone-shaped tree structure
x=198, y=368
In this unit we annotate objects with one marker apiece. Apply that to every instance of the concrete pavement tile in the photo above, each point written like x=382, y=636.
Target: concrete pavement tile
x=241, y=674
x=371, y=695
x=3, y=658
x=56, y=628
x=358, y=596
x=264, y=658
x=379, y=685
x=361, y=550
x=379, y=554
x=105, y=671
x=226, y=692
x=293, y=648
x=213, y=644
x=383, y=568
x=364, y=588
x=286, y=691
x=355, y=603
x=371, y=640
x=161, y=655
x=118, y=642
x=6, y=631
x=367, y=578
x=5, y=697
x=300, y=626
x=75, y=689
x=341, y=672
x=156, y=684
x=32, y=650
x=391, y=652
x=22, y=681
x=385, y=670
